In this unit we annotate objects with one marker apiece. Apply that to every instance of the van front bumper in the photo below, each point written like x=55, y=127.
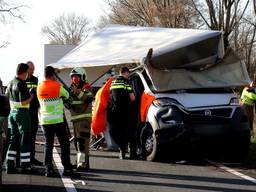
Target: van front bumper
x=203, y=128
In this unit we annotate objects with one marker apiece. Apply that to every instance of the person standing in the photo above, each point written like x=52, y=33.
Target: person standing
x=248, y=98
x=51, y=95
x=81, y=115
x=19, y=121
x=120, y=112
x=32, y=83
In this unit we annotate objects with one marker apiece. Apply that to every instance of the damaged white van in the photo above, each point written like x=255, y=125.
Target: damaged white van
x=194, y=107
x=189, y=78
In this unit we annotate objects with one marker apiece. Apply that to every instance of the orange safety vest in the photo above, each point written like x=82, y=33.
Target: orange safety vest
x=49, y=94
x=48, y=89
x=102, y=97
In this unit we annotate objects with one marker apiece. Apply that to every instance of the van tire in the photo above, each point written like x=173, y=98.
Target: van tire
x=150, y=148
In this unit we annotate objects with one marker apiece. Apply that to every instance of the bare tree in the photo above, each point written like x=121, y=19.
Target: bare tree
x=67, y=29
x=250, y=40
x=222, y=15
x=9, y=10
x=102, y=22
x=162, y=13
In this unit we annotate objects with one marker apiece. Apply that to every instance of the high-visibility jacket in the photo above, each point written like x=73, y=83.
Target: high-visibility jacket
x=247, y=97
x=50, y=94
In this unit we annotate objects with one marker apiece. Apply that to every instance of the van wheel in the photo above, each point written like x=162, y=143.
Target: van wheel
x=149, y=145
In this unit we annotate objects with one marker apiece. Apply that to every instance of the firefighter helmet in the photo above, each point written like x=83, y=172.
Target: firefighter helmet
x=79, y=71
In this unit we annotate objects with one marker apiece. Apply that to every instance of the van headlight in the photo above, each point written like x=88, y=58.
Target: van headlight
x=161, y=102
x=169, y=115
x=234, y=101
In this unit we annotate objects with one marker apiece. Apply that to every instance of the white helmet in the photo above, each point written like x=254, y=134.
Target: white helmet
x=79, y=71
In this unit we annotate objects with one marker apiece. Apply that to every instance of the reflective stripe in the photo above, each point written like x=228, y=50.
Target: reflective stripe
x=25, y=154
x=77, y=102
x=80, y=157
x=86, y=115
x=117, y=87
x=80, y=95
x=119, y=84
x=12, y=152
x=84, y=93
x=25, y=157
x=25, y=160
x=17, y=105
x=51, y=119
x=128, y=87
x=11, y=158
x=31, y=85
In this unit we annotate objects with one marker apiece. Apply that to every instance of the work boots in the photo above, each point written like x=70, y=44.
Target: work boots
x=82, y=167
x=50, y=172
x=122, y=154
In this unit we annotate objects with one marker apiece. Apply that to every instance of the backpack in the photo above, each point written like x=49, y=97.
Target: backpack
x=4, y=105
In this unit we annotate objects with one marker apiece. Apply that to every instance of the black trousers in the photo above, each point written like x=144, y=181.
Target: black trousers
x=34, y=129
x=60, y=130
x=120, y=128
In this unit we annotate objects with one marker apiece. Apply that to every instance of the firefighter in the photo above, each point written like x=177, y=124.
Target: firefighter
x=248, y=98
x=19, y=120
x=51, y=95
x=32, y=82
x=81, y=115
x=120, y=111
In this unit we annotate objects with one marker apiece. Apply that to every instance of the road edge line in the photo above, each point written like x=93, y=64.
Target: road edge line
x=232, y=171
x=68, y=183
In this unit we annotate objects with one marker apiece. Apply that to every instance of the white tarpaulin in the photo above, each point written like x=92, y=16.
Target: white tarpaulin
x=181, y=59
x=117, y=44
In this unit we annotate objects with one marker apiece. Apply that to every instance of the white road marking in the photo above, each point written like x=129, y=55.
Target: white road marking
x=68, y=183
x=80, y=181
x=232, y=171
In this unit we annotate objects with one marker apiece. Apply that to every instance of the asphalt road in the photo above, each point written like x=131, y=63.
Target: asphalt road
x=108, y=173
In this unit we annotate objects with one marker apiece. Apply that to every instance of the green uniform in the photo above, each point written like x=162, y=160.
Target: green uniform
x=19, y=123
x=81, y=116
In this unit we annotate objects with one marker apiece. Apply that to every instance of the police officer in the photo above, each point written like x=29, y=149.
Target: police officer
x=19, y=120
x=81, y=115
x=32, y=83
x=119, y=112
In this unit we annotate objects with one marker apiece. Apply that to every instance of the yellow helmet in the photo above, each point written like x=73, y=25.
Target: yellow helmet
x=79, y=71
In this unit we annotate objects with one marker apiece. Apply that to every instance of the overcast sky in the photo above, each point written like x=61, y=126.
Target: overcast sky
x=26, y=39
